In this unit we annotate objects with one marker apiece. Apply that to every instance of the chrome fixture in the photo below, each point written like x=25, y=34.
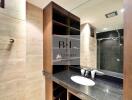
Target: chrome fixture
x=93, y=72
x=84, y=72
x=12, y=40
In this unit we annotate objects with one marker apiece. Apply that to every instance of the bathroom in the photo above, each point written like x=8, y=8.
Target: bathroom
x=65, y=50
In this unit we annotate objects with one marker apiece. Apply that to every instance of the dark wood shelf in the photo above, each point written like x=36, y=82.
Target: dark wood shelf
x=65, y=25
x=59, y=28
x=59, y=23
x=75, y=29
x=60, y=16
x=74, y=22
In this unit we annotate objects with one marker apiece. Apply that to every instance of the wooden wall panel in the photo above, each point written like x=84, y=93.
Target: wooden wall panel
x=47, y=47
x=47, y=39
x=128, y=51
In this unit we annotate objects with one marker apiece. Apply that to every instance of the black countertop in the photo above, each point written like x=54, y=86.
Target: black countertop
x=102, y=90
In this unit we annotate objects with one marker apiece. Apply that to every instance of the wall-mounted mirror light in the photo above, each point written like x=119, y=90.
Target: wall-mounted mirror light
x=2, y=3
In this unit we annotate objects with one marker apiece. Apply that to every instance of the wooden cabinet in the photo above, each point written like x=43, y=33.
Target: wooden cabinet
x=57, y=21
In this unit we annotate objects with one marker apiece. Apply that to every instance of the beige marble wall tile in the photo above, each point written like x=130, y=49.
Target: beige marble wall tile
x=34, y=58
x=88, y=55
x=14, y=9
x=11, y=27
x=12, y=56
x=21, y=63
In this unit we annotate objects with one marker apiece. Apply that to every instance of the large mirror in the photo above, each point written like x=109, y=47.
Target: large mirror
x=101, y=34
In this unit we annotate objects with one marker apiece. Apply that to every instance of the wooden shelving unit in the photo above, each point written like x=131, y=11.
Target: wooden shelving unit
x=62, y=24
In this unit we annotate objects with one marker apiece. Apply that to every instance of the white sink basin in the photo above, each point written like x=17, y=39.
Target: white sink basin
x=82, y=80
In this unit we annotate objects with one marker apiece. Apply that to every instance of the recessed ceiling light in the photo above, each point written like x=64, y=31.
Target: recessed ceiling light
x=122, y=10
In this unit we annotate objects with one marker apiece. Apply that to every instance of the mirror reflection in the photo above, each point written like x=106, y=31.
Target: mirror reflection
x=101, y=34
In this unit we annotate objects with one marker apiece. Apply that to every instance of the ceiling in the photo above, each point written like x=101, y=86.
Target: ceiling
x=67, y=4
x=91, y=11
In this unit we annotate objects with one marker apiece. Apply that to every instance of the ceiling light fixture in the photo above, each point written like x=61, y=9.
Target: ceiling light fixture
x=122, y=10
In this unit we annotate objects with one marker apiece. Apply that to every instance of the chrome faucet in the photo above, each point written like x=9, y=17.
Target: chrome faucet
x=93, y=72
x=84, y=72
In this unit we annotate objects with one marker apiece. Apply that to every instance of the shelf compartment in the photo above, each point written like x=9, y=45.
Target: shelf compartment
x=59, y=93
x=75, y=24
x=60, y=17
x=74, y=31
x=59, y=23
x=59, y=29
